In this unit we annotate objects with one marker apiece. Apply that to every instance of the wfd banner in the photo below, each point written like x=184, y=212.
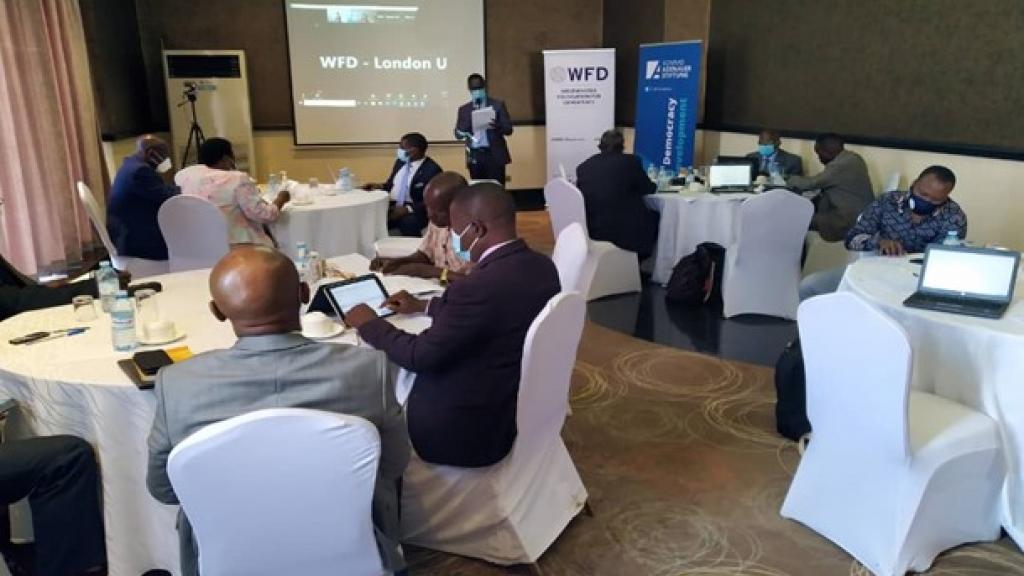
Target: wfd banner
x=666, y=104
x=579, y=96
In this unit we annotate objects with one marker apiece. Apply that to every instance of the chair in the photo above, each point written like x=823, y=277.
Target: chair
x=892, y=476
x=575, y=270
x=396, y=246
x=615, y=271
x=281, y=491
x=195, y=231
x=893, y=183
x=761, y=274
x=511, y=512
x=139, y=267
x=823, y=255
x=19, y=513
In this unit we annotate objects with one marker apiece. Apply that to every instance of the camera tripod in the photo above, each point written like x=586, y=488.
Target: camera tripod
x=195, y=132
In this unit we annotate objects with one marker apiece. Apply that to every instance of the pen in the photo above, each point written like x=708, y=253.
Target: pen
x=54, y=334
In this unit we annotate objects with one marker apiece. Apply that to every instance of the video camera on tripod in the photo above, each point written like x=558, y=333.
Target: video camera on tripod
x=195, y=133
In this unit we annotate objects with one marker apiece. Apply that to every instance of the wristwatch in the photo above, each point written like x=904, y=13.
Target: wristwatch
x=444, y=277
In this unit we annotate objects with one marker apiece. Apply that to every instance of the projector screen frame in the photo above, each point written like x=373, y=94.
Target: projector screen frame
x=325, y=145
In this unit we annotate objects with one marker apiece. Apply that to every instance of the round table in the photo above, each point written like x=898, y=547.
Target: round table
x=335, y=223
x=687, y=219
x=975, y=361
x=72, y=385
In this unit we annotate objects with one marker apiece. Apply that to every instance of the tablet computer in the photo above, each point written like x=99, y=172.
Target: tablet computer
x=345, y=295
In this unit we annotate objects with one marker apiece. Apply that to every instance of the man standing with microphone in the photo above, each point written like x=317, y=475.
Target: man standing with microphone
x=487, y=153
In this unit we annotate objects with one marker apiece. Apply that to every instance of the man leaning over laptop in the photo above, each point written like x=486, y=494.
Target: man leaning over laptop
x=899, y=223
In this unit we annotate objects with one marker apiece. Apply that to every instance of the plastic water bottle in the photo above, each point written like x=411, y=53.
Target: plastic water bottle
x=344, y=180
x=691, y=177
x=652, y=172
x=302, y=259
x=952, y=238
x=107, y=285
x=774, y=174
x=122, y=323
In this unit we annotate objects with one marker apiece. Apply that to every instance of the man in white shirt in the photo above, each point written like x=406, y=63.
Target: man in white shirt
x=409, y=176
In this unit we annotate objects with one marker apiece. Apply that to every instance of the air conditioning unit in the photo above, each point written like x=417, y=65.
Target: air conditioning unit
x=212, y=85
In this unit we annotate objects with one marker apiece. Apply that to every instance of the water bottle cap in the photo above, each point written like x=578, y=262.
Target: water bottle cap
x=105, y=264
x=122, y=293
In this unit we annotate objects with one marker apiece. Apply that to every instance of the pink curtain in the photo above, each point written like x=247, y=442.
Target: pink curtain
x=49, y=135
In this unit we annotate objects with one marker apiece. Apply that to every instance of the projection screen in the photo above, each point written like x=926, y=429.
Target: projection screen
x=368, y=73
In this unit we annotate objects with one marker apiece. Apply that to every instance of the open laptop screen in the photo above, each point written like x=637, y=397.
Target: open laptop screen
x=983, y=273
x=722, y=175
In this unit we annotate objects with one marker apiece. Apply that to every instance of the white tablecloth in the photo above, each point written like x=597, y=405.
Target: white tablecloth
x=72, y=385
x=334, y=224
x=975, y=361
x=689, y=219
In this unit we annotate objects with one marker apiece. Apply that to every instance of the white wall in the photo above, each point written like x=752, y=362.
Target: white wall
x=990, y=191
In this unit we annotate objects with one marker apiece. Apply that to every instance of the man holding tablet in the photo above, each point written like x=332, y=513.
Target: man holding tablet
x=462, y=407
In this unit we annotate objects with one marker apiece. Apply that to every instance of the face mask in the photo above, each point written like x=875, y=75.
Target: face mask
x=464, y=255
x=921, y=206
x=402, y=154
x=164, y=166
x=479, y=94
x=766, y=150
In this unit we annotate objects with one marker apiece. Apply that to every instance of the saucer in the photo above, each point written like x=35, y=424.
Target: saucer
x=338, y=329
x=178, y=335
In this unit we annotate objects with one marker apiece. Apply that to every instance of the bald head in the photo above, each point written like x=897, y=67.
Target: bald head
x=438, y=196
x=152, y=149
x=769, y=137
x=485, y=215
x=258, y=290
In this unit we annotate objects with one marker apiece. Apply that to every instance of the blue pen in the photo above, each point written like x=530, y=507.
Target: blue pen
x=60, y=333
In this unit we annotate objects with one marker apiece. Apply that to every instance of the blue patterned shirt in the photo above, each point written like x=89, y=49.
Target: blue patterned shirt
x=888, y=218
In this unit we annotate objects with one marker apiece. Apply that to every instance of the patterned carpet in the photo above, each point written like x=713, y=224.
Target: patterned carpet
x=685, y=472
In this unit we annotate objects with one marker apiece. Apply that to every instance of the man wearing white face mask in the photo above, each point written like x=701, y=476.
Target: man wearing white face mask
x=140, y=188
x=409, y=176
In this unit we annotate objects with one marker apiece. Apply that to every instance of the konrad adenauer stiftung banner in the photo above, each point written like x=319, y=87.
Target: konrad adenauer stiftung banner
x=666, y=104
x=579, y=95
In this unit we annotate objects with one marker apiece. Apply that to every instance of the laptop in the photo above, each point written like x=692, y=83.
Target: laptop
x=969, y=281
x=726, y=178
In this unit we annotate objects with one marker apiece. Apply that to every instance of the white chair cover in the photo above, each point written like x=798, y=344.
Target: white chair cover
x=281, y=491
x=893, y=183
x=762, y=268
x=575, y=270
x=139, y=267
x=892, y=477
x=396, y=246
x=511, y=512
x=195, y=231
x=615, y=271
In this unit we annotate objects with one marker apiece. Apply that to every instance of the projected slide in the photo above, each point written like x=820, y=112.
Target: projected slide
x=368, y=73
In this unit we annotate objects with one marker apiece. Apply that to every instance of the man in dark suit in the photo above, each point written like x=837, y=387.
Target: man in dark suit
x=462, y=408
x=19, y=293
x=488, y=151
x=135, y=198
x=409, y=176
x=769, y=151
x=614, y=185
x=59, y=476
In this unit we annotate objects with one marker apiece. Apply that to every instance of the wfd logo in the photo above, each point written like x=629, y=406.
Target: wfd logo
x=578, y=73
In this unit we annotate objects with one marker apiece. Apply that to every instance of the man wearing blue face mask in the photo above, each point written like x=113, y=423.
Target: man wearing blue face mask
x=900, y=223
x=462, y=407
x=409, y=176
x=770, y=155
x=487, y=154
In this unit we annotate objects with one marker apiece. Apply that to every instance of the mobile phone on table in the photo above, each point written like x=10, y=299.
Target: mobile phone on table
x=28, y=338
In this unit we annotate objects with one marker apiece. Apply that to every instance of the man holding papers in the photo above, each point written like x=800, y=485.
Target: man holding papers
x=483, y=123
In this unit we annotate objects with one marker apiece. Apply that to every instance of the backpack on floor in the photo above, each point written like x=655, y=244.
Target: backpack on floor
x=791, y=393
x=697, y=278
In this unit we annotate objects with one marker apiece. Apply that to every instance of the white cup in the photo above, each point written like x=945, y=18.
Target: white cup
x=159, y=331
x=316, y=325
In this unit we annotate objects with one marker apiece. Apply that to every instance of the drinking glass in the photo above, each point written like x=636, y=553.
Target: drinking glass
x=84, y=308
x=147, y=307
